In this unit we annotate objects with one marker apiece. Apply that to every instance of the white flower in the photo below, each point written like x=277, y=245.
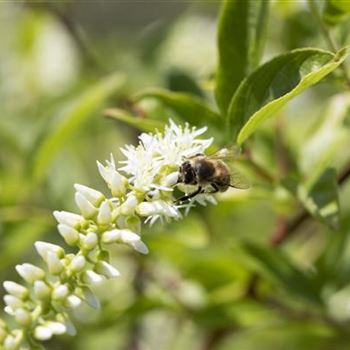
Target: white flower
x=43, y=248
x=107, y=270
x=42, y=333
x=153, y=165
x=86, y=208
x=115, y=181
x=56, y=327
x=67, y=218
x=73, y=301
x=42, y=290
x=105, y=214
x=54, y=264
x=78, y=263
x=128, y=207
x=13, y=302
x=30, y=273
x=16, y=289
x=12, y=342
x=93, y=196
x=60, y=292
x=127, y=237
x=158, y=207
x=91, y=277
x=69, y=234
x=23, y=317
x=89, y=241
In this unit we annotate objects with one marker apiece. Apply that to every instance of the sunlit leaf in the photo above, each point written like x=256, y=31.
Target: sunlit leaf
x=71, y=119
x=241, y=38
x=275, y=83
x=189, y=107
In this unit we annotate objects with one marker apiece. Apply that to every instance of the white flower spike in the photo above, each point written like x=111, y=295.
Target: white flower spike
x=141, y=192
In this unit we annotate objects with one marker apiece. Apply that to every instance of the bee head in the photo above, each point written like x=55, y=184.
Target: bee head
x=187, y=173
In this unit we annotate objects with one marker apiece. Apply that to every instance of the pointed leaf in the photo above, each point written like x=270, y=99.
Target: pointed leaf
x=241, y=36
x=275, y=83
x=189, y=107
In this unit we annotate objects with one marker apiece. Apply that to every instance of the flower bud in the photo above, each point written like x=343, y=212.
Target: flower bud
x=23, y=317
x=42, y=333
x=13, y=302
x=115, y=181
x=30, y=273
x=12, y=342
x=86, y=208
x=171, y=179
x=158, y=207
x=16, y=289
x=73, y=301
x=43, y=248
x=56, y=327
x=42, y=290
x=54, y=264
x=67, y=218
x=91, y=277
x=60, y=292
x=89, y=241
x=93, y=196
x=69, y=234
x=78, y=263
x=128, y=207
x=127, y=237
x=107, y=270
x=105, y=214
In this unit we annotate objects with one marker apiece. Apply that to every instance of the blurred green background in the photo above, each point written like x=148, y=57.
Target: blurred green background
x=212, y=280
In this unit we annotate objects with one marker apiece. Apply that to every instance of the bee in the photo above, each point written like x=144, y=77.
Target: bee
x=210, y=173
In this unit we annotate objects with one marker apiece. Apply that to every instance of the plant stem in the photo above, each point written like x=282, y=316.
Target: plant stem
x=327, y=37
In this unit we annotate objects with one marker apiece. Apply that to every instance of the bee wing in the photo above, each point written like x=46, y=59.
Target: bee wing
x=228, y=153
x=237, y=180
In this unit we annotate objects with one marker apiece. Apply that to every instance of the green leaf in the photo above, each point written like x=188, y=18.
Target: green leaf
x=321, y=198
x=189, y=107
x=336, y=11
x=143, y=124
x=278, y=267
x=71, y=119
x=324, y=146
x=275, y=83
x=241, y=34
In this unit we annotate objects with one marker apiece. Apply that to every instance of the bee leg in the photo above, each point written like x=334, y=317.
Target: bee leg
x=189, y=196
x=215, y=188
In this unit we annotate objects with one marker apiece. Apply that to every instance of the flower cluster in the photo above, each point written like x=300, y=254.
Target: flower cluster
x=141, y=191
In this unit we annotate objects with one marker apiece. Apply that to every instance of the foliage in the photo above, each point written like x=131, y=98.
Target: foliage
x=266, y=267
